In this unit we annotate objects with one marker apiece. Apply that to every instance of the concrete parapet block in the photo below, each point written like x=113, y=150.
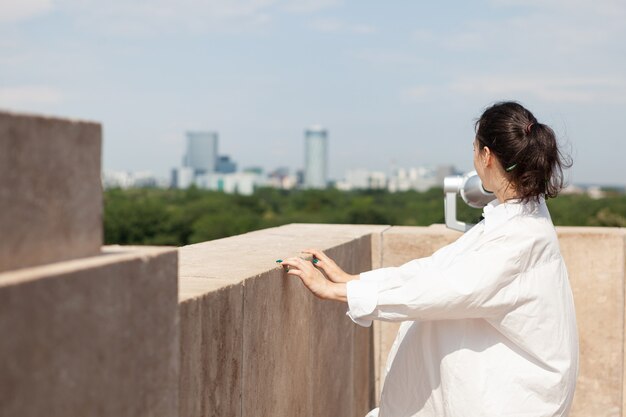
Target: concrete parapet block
x=50, y=190
x=402, y=244
x=96, y=336
x=341, y=349
x=297, y=355
x=211, y=344
x=277, y=372
x=595, y=259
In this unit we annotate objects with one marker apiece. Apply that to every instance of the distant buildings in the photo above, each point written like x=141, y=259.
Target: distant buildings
x=205, y=168
x=124, y=179
x=315, y=157
x=362, y=179
x=233, y=183
x=182, y=177
x=592, y=191
x=418, y=179
x=282, y=178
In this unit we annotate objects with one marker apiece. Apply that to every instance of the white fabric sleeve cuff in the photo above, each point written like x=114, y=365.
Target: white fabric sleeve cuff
x=362, y=299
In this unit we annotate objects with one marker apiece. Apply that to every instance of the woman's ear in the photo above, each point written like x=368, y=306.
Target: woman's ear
x=486, y=156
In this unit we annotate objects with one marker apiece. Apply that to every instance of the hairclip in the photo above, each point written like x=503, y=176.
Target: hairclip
x=511, y=168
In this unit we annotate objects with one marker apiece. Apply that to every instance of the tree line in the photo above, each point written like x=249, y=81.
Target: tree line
x=152, y=216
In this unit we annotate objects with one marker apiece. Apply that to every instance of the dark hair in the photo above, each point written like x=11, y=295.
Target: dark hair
x=527, y=149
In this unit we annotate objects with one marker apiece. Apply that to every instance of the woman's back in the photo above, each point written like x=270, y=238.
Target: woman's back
x=519, y=351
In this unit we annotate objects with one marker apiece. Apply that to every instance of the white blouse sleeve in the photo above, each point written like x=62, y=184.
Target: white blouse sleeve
x=405, y=271
x=479, y=283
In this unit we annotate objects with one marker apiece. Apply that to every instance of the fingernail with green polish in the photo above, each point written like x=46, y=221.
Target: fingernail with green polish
x=279, y=260
x=315, y=261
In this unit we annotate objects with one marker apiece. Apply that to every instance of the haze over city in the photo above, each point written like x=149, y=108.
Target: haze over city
x=399, y=83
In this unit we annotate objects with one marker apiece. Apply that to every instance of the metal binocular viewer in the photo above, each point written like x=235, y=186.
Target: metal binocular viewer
x=472, y=192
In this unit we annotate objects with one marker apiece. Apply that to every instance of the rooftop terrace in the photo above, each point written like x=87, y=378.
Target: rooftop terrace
x=216, y=328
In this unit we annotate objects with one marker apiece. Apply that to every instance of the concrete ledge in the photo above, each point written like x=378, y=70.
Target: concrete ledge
x=51, y=194
x=595, y=259
x=237, y=258
x=96, y=336
x=255, y=342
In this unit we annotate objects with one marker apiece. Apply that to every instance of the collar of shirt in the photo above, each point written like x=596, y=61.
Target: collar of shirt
x=496, y=213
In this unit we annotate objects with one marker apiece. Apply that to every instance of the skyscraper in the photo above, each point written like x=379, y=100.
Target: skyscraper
x=201, y=154
x=315, y=157
x=225, y=165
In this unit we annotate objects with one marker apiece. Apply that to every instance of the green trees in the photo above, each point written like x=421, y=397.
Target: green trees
x=181, y=217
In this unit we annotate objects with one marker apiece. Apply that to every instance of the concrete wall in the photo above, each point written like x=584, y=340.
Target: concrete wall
x=596, y=261
x=50, y=190
x=83, y=331
x=96, y=336
x=256, y=342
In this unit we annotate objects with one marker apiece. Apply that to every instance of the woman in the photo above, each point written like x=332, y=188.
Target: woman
x=489, y=327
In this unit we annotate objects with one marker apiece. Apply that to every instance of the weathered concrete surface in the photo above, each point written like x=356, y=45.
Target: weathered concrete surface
x=328, y=349
x=377, y=248
x=277, y=347
x=289, y=341
x=223, y=259
x=210, y=350
x=50, y=193
x=402, y=244
x=595, y=262
x=95, y=336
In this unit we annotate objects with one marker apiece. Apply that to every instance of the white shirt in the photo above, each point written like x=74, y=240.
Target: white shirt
x=489, y=328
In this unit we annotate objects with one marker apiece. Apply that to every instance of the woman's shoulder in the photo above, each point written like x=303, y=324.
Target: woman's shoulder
x=534, y=235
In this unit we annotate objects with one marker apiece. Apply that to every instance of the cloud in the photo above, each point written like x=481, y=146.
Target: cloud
x=334, y=25
x=584, y=7
x=529, y=30
x=132, y=18
x=30, y=95
x=167, y=16
x=552, y=50
x=582, y=90
x=309, y=6
x=419, y=93
x=16, y=10
x=387, y=57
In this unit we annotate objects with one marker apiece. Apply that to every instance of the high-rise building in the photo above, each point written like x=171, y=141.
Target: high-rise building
x=225, y=165
x=315, y=157
x=182, y=177
x=201, y=154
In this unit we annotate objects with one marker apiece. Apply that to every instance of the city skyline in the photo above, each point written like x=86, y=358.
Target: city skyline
x=400, y=84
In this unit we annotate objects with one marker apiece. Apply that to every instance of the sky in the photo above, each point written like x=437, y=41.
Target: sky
x=397, y=83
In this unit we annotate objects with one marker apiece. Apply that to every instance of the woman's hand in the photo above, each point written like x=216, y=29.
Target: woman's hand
x=329, y=267
x=314, y=280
